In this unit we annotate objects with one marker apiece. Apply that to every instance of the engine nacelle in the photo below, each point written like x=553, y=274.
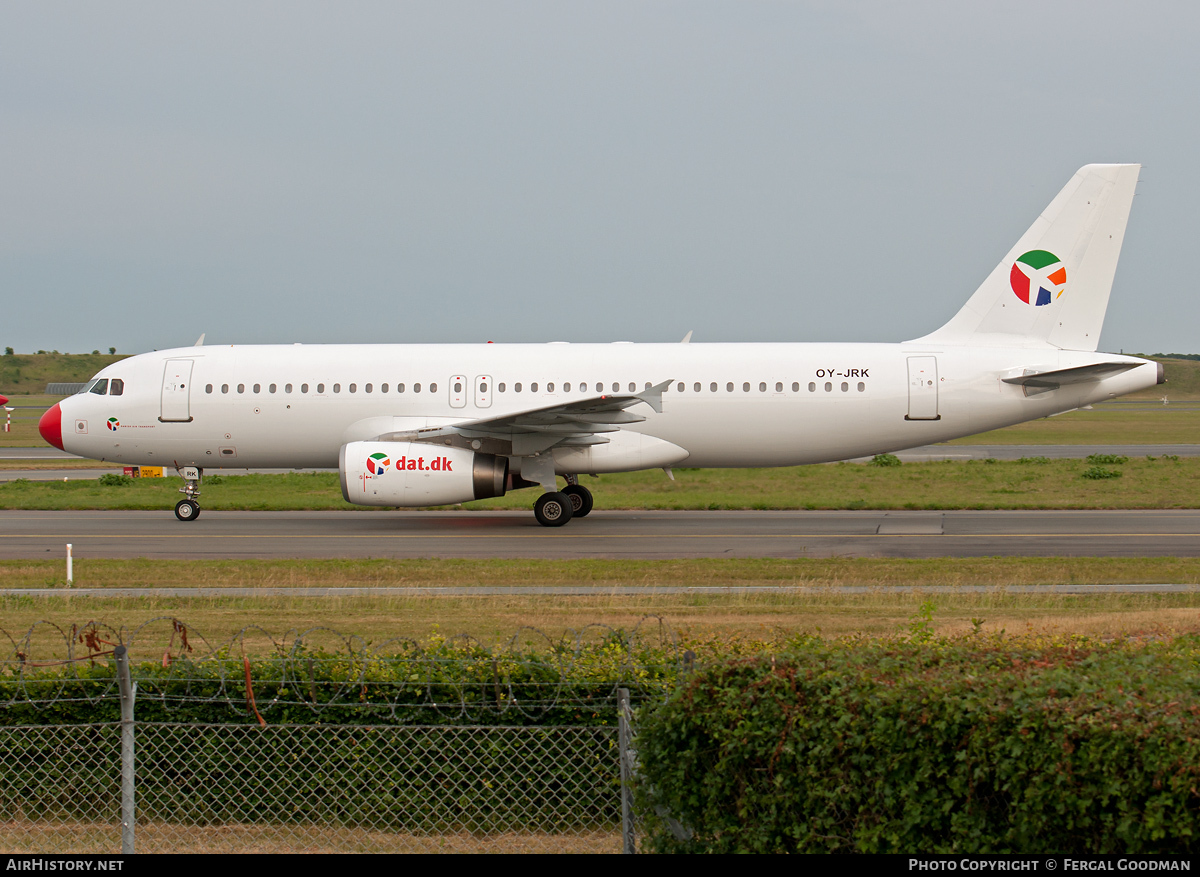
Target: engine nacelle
x=418, y=474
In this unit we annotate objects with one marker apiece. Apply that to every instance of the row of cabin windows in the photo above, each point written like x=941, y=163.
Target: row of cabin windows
x=681, y=387
x=337, y=388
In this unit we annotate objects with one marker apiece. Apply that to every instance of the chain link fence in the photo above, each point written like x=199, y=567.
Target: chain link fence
x=382, y=779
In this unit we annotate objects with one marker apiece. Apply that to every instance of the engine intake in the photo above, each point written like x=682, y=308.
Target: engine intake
x=410, y=474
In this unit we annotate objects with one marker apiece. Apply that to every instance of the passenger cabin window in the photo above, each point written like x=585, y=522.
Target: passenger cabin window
x=416, y=388
x=353, y=388
x=550, y=387
x=320, y=388
x=117, y=387
x=712, y=388
x=861, y=386
x=599, y=387
x=224, y=388
x=779, y=386
x=100, y=388
x=337, y=388
x=828, y=387
x=287, y=388
x=399, y=388
x=500, y=387
x=517, y=387
x=258, y=388
x=367, y=388
x=533, y=387
x=567, y=387
x=383, y=388
x=812, y=386
x=845, y=386
x=762, y=387
x=304, y=388
x=680, y=387
x=271, y=388
x=795, y=386
x=616, y=387
x=729, y=387
x=433, y=388
x=208, y=388
x=241, y=388
x=632, y=387
x=746, y=387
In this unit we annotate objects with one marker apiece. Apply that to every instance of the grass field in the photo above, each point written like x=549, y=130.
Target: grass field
x=695, y=617
x=1106, y=424
x=1159, y=482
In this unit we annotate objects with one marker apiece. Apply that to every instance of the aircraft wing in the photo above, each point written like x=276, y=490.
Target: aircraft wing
x=1052, y=380
x=578, y=423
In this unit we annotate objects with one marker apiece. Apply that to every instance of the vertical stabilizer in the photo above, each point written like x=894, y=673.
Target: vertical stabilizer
x=1052, y=288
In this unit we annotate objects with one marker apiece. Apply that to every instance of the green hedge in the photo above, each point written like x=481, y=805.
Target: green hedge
x=972, y=745
x=444, y=683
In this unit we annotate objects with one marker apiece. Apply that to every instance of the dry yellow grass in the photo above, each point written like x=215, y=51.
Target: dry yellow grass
x=694, y=619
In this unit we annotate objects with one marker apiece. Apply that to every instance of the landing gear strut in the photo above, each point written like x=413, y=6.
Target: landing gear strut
x=188, y=509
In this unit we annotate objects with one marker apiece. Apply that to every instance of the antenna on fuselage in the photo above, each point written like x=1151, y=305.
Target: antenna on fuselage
x=199, y=341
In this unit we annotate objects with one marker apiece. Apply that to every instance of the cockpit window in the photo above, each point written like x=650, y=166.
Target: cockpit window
x=87, y=388
x=117, y=387
x=100, y=387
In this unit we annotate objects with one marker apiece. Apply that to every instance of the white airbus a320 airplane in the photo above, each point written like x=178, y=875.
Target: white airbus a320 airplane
x=432, y=424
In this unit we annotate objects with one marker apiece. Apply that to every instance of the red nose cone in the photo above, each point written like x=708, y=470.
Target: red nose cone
x=3, y=400
x=50, y=426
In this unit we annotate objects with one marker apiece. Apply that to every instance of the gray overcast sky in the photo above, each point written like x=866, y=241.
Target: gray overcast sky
x=444, y=171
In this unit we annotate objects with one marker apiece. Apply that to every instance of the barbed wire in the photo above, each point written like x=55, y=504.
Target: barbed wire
x=322, y=674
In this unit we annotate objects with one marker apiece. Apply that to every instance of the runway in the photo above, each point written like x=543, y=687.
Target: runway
x=634, y=535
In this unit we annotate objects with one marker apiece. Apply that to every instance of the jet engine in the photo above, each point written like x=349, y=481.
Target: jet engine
x=418, y=474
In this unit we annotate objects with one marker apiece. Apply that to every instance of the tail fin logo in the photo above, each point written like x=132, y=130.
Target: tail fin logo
x=1038, y=277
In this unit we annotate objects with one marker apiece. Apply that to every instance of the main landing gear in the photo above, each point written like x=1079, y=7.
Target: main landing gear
x=188, y=509
x=555, y=508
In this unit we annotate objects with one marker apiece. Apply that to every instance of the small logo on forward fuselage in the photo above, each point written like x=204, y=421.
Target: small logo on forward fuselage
x=113, y=423
x=1038, y=277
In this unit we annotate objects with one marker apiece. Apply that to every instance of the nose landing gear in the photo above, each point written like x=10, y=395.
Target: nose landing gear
x=188, y=509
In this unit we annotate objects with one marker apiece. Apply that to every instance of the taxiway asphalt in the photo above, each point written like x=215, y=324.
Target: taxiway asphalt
x=634, y=535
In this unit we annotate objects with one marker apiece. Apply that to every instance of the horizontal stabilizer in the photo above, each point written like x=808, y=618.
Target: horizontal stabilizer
x=1052, y=380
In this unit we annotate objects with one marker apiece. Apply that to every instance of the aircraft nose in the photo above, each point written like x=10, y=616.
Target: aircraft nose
x=50, y=426
x=3, y=400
